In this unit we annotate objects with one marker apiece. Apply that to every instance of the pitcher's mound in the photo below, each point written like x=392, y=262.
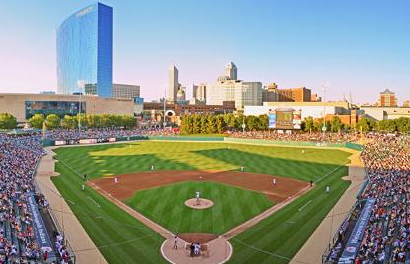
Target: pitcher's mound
x=200, y=203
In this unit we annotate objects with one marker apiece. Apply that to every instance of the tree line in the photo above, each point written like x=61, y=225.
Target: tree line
x=211, y=124
x=218, y=124
x=53, y=121
x=206, y=124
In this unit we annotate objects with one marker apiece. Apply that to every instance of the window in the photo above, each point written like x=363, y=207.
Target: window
x=60, y=108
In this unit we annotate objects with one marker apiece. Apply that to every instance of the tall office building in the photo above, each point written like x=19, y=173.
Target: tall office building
x=387, y=98
x=199, y=92
x=228, y=88
x=242, y=93
x=84, y=51
x=231, y=71
x=173, y=83
x=125, y=90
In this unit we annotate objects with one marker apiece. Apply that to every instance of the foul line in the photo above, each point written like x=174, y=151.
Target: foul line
x=68, y=166
x=267, y=252
x=94, y=201
x=306, y=204
x=327, y=174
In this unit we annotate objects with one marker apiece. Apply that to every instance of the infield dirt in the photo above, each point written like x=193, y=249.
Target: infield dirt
x=128, y=184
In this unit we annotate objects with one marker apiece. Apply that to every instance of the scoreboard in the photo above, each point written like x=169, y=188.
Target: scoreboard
x=284, y=118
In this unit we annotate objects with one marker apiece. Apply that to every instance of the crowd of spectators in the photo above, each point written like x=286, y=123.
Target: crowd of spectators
x=298, y=136
x=62, y=249
x=104, y=133
x=18, y=161
x=386, y=237
x=386, y=157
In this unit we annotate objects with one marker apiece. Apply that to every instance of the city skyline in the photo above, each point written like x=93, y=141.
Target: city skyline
x=355, y=47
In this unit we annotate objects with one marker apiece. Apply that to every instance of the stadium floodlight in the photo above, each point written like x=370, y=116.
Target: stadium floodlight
x=81, y=86
x=324, y=87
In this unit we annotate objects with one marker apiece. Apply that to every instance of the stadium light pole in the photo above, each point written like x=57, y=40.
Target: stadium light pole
x=243, y=110
x=165, y=105
x=243, y=123
x=324, y=86
x=80, y=85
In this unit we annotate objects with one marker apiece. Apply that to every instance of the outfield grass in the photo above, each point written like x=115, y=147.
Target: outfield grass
x=232, y=206
x=125, y=240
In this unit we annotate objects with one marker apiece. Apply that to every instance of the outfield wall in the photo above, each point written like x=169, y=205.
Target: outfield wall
x=186, y=138
x=284, y=143
x=354, y=146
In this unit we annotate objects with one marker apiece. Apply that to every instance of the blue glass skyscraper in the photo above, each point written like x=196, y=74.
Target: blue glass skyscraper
x=84, y=52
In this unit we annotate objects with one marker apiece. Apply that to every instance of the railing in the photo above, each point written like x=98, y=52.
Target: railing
x=61, y=231
x=354, y=146
x=326, y=254
x=186, y=138
x=284, y=143
x=55, y=222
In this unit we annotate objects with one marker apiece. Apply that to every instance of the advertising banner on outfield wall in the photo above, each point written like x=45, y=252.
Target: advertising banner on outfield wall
x=355, y=239
x=272, y=118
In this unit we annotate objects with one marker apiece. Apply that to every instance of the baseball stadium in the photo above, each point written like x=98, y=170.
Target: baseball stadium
x=234, y=200
x=123, y=142
x=139, y=196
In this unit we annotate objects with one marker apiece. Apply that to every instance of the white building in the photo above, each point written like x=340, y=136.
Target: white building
x=242, y=93
x=383, y=113
x=199, y=92
x=229, y=88
x=173, y=84
x=312, y=109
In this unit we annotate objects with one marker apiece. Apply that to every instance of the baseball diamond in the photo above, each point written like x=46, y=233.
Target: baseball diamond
x=140, y=188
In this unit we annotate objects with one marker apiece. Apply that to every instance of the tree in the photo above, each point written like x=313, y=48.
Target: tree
x=36, y=121
x=94, y=121
x=335, y=124
x=403, y=124
x=7, y=121
x=230, y=120
x=52, y=121
x=211, y=124
x=308, y=124
x=196, y=124
x=347, y=127
x=186, y=124
x=252, y=123
x=129, y=121
x=68, y=122
x=388, y=125
x=365, y=124
x=220, y=124
x=239, y=120
x=318, y=124
x=203, y=124
x=263, y=122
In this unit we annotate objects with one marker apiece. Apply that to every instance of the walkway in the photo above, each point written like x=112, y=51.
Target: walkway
x=316, y=245
x=84, y=248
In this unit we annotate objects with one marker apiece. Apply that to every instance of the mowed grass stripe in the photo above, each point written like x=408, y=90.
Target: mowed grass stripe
x=230, y=206
x=286, y=231
x=112, y=226
x=100, y=160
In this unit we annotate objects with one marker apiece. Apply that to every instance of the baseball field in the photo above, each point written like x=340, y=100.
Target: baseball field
x=182, y=168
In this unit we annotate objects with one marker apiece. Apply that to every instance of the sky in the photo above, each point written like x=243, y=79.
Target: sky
x=355, y=47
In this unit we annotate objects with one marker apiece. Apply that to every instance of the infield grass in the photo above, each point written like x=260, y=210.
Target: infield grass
x=232, y=206
x=123, y=239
